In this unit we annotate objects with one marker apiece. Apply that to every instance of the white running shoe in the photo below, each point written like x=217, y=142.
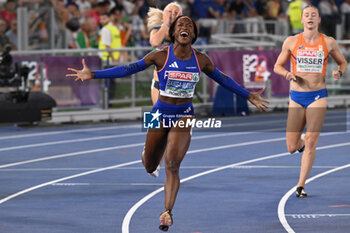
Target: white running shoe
x=155, y=173
x=302, y=137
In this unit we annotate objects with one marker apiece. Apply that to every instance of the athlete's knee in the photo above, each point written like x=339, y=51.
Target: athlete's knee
x=292, y=148
x=172, y=166
x=311, y=141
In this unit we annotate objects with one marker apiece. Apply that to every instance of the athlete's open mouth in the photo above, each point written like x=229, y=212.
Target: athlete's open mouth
x=184, y=34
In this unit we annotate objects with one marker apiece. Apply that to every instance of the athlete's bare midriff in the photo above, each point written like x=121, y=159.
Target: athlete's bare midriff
x=175, y=101
x=308, y=82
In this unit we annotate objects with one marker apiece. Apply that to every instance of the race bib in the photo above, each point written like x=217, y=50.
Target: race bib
x=310, y=61
x=180, y=84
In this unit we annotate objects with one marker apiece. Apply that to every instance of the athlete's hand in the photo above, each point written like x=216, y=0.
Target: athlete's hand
x=258, y=101
x=290, y=76
x=336, y=75
x=83, y=74
x=167, y=19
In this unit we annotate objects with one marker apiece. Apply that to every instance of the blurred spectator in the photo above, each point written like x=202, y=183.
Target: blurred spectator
x=86, y=15
x=99, y=8
x=109, y=38
x=4, y=40
x=141, y=35
x=125, y=29
x=73, y=10
x=200, y=11
x=93, y=35
x=218, y=9
x=83, y=40
x=272, y=12
x=9, y=12
x=253, y=20
x=72, y=27
x=294, y=13
x=329, y=15
x=345, y=9
x=260, y=7
x=130, y=8
x=240, y=10
x=12, y=34
x=143, y=10
x=186, y=7
x=136, y=9
x=83, y=4
x=237, y=13
x=62, y=13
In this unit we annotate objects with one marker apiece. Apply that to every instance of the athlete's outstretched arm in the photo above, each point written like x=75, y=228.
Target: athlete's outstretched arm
x=224, y=80
x=118, y=71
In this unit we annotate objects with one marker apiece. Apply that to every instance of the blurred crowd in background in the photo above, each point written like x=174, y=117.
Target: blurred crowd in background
x=80, y=20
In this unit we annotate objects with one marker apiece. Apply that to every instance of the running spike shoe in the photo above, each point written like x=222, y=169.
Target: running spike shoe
x=302, y=137
x=155, y=173
x=166, y=220
x=300, y=192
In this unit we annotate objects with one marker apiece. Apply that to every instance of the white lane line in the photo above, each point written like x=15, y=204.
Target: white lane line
x=282, y=203
x=71, y=154
x=142, y=168
x=120, y=147
x=107, y=184
x=132, y=210
x=70, y=131
x=107, y=137
x=70, y=141
x=284, y=120
x=133, y=162
x=65, y=178
x=301, y=216
x=107, y=168
x=142, y=144
x=18, y=147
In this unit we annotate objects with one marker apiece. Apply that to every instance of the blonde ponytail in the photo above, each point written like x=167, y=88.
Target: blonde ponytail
x=155, y=17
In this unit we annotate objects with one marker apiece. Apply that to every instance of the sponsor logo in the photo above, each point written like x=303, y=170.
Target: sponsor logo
x=174, y=65
x=183, y=76
x=317, y=97
x=307, y=53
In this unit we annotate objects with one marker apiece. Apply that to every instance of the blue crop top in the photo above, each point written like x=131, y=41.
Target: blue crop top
x=178, y=78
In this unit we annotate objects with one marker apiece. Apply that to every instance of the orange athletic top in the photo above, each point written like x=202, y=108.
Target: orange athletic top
x=310, y=58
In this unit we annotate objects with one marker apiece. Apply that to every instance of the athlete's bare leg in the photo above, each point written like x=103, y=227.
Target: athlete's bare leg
x=155, y=96
x=295, y=126
x=315, y=114
x=154, y=148
x=177, y=146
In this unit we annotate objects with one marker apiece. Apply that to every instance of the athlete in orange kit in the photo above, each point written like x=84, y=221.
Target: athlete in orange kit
x=309, y=53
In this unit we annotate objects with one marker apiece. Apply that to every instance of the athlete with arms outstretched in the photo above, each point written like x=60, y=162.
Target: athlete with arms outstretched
x=178, y=68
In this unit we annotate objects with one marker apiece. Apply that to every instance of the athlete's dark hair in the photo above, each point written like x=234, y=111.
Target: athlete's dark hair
x=172, y=29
